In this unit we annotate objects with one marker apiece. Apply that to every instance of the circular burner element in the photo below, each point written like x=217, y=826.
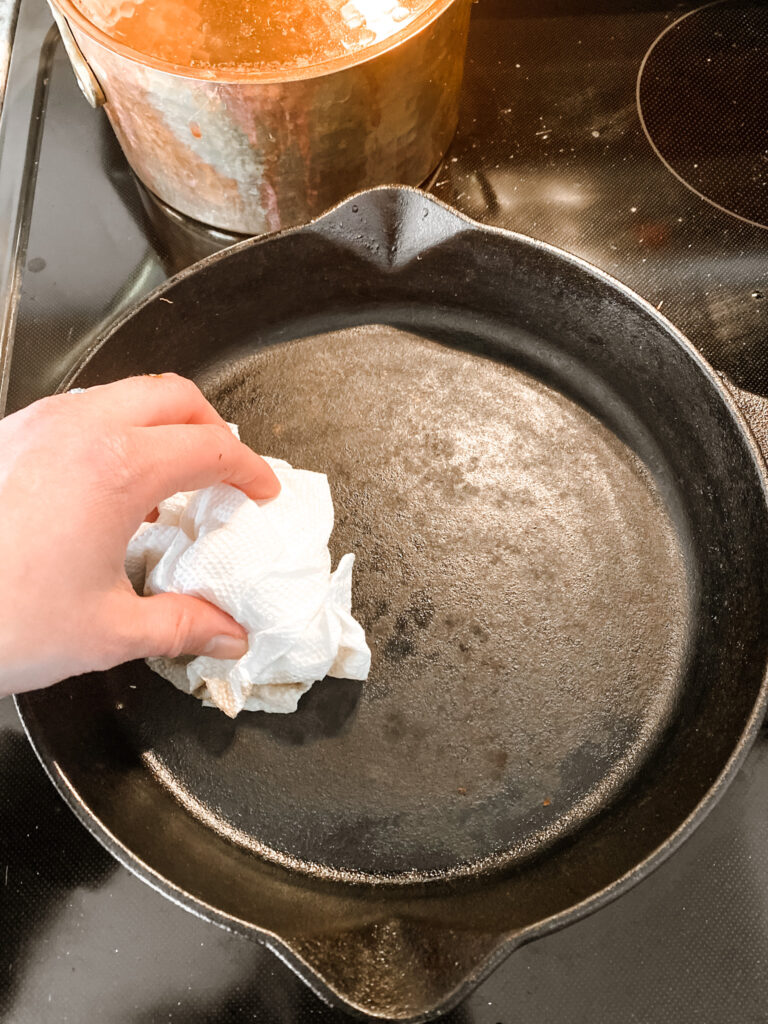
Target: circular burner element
x=702, y=95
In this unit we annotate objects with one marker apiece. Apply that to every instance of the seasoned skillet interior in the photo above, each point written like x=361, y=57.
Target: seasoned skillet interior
x=523, y=590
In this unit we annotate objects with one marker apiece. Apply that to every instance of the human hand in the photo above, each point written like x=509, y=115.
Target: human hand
x=78, y=474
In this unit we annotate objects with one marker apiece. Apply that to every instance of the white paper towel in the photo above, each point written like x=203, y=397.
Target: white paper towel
x=267, y=565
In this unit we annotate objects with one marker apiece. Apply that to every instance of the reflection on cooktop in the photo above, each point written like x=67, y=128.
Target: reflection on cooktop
x=701, y=94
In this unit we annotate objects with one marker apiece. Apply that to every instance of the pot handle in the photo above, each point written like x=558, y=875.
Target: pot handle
x=88, y=82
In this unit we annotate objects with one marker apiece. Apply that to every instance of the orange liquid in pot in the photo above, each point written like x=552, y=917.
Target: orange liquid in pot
x=265, y=35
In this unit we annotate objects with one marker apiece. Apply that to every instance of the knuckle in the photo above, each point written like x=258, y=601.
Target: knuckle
x=222, y=435
x=220, y=443
x=180, y=631
x=53, y=423
x=173, y=378
x=232, y=455
x=117, y=461
x=52, y=408
x=184, y=384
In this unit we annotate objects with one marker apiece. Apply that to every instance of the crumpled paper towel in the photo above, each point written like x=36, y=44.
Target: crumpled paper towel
x=267, y=565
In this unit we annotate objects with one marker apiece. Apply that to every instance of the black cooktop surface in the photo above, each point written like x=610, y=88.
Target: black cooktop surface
x=703, y=99
x=633, y=134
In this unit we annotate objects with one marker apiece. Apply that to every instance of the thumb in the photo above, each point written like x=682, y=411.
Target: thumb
x=168, y=625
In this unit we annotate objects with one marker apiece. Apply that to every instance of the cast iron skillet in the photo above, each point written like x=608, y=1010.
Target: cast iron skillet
x=559, y=517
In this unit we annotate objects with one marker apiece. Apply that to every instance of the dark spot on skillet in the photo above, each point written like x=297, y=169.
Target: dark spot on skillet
x=417, y=616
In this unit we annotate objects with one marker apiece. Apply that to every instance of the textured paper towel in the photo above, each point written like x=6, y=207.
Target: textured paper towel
x=267, y=564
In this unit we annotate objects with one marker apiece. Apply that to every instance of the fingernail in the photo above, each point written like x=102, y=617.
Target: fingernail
x=230, y=648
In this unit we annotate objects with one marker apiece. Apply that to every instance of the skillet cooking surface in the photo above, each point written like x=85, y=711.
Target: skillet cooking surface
x=521, y=587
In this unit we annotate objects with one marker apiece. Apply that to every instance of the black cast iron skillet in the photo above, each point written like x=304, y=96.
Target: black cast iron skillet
x=560, y=520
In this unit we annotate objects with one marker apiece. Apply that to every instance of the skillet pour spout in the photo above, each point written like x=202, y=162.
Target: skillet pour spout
x=399, y=969
x=555, y=506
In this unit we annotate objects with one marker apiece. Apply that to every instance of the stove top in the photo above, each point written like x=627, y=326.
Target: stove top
x=633, y=134
x=700, y=95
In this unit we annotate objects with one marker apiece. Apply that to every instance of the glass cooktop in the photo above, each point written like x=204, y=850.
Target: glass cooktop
x=633, y=134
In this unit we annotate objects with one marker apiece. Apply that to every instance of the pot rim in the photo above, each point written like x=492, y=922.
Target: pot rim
x=229, y=75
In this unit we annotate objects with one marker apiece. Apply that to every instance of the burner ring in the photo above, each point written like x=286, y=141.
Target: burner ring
x=695, y=100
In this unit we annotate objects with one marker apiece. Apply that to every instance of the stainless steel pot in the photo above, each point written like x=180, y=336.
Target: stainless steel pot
x=257, y=152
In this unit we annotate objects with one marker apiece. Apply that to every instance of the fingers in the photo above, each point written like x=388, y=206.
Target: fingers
x=151, y=400
x=186, y=458
x=169, y=625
